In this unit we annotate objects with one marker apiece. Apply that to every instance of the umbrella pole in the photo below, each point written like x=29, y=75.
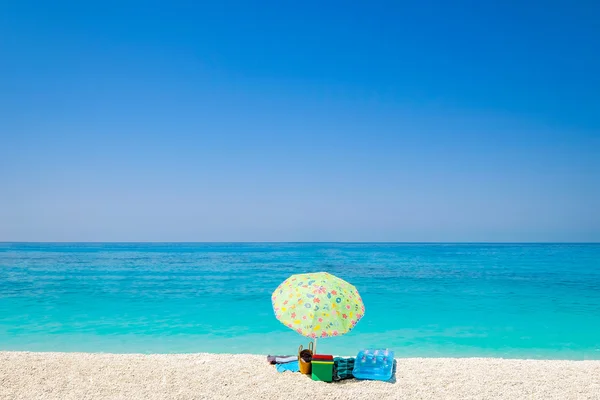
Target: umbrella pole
x=315, y=346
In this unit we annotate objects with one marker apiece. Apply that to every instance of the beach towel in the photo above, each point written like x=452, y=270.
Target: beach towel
x=342, y=368
x=281, y=359
x=290, y=366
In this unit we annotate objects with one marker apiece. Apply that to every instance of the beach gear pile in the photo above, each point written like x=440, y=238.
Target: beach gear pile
x=369, y=364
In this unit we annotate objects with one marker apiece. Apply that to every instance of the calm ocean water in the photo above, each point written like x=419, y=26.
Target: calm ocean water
x=501, y=300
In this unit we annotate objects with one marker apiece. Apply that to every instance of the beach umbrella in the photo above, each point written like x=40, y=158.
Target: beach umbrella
x=317, y=305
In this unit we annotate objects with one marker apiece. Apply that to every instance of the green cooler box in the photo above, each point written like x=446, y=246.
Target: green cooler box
x=322, y=367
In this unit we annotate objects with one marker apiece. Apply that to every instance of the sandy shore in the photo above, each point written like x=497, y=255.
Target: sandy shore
x=210, y=376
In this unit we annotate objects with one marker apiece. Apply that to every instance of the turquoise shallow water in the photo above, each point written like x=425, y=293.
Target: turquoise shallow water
x=499, y=300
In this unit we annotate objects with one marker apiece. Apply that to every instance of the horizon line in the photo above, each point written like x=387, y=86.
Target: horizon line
x=296, y=242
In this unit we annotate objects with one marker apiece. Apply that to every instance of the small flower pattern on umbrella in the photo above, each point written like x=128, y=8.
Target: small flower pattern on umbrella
x=322, y=295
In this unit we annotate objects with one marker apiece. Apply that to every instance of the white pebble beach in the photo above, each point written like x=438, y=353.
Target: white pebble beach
x=26, y=375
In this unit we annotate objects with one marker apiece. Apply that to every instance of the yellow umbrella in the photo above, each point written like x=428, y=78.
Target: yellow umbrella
x=317, y=305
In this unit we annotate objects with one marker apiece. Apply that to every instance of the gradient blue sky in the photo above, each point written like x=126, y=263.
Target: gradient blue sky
x=299, y=121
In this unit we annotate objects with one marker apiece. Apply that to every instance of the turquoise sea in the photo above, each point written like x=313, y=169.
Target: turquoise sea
x=426, y=300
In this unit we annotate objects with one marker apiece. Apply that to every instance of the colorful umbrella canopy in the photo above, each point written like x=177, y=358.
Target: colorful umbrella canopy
x=317, y=305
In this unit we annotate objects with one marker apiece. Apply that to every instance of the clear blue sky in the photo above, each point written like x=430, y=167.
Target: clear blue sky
x=300, y=121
